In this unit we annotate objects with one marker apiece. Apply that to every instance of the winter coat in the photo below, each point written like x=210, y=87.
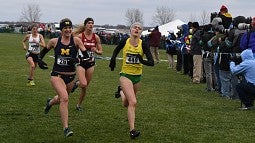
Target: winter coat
x=246, y=67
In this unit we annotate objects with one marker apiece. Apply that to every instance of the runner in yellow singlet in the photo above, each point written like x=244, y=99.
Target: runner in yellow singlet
x=131, y=72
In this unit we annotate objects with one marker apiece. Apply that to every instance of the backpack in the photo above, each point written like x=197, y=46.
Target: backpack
x=170, y=44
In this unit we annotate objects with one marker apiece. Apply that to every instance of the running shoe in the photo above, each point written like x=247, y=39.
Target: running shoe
x=31, y=83
x=68, y=132
x=117, y=93
x=134, y=134
x=47, y=107
x=75, y=86
x=245, y=108
x=78, y=108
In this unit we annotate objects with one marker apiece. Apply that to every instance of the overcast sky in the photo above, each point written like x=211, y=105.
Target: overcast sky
x=112, y=12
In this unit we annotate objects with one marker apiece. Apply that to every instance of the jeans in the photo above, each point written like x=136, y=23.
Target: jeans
x=225, y=79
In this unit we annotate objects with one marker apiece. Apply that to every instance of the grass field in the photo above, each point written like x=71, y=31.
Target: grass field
x=170, y=108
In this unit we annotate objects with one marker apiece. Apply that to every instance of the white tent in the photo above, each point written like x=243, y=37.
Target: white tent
x=167, y=27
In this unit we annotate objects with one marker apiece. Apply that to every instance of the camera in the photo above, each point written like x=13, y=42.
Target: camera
x=236, y=58
x=244, y=26
x=248, y=20
x=221, y=29
x=224, y=31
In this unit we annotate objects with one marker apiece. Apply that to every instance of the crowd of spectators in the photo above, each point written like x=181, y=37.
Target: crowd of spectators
x=204, y=52
x=111, y=38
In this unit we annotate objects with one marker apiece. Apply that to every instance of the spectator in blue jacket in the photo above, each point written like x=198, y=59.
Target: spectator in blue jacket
x=248, y=38
x=245, y=89
x=170, y=48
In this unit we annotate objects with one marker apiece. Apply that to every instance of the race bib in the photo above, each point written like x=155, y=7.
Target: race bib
x=91, y=55
x=34, y=47
x=63, y=61
x=132, y=59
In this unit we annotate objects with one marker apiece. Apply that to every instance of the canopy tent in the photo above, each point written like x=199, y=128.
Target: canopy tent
x=167, y=27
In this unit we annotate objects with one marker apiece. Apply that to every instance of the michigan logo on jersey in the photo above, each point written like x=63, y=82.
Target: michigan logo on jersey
x=65, y=51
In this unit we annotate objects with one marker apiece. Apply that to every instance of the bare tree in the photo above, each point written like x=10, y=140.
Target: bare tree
x=31, y=13
x=133, y=15
x=192, y=18
x=205, y=17
x=163, y=15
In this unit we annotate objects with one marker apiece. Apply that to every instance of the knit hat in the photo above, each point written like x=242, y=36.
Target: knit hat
x=223, y=8
x=216, y=21
x=253, y=22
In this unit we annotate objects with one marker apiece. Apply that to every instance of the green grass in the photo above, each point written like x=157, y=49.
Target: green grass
x=169, y=109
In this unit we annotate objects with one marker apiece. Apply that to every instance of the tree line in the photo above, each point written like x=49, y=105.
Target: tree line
x=163, y=14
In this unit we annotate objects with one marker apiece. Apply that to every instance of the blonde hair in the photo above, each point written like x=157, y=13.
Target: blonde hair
x=136, y=23
x=79, y=29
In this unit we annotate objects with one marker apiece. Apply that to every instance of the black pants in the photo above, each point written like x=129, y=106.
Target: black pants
x=185, y=64
x=246, y=93
x=190, y=65
x=179, y=61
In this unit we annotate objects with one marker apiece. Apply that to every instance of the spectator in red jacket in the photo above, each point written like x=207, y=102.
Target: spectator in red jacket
x=154, y=42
